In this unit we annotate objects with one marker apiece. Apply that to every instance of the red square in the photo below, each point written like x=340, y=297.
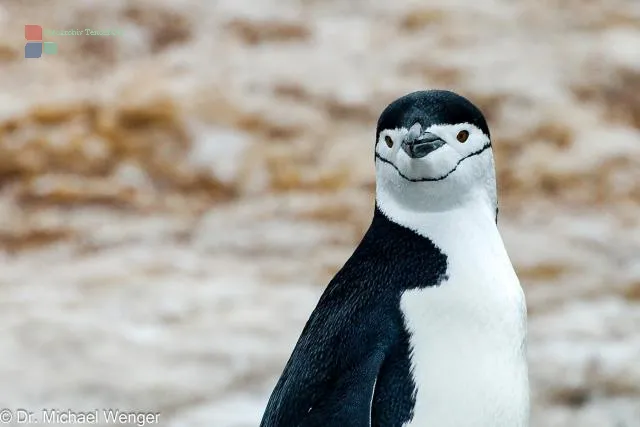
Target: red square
x=33, y=32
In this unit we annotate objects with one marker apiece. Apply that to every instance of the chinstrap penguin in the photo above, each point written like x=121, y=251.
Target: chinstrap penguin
x=425, y=324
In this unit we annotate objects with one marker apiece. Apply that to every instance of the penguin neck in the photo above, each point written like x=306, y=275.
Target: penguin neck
x=475, y=213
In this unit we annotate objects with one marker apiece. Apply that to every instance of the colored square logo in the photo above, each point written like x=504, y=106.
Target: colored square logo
x=33, y=50
x=33, y=32
x=50, y=48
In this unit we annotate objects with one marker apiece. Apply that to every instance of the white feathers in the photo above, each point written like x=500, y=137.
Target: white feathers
x=443, y=178
x=468, y=334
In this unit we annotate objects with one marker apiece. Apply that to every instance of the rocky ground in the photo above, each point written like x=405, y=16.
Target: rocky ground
x=174, y=199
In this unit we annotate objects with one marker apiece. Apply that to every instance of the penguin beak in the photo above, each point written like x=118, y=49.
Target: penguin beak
x=422, y=146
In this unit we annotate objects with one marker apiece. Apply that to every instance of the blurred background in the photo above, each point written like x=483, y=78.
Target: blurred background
x=174, y=199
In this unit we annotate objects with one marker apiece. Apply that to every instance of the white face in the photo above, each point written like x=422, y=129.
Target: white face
x=447, y=164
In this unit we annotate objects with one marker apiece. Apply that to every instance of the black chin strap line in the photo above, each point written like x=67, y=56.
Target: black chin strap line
x=440, y=178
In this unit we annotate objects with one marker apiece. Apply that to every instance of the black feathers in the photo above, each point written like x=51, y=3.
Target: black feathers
x=356, y=338
x=430, y=107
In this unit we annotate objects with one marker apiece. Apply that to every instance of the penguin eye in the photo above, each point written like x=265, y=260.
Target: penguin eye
x=463, y=135
x=388, y=141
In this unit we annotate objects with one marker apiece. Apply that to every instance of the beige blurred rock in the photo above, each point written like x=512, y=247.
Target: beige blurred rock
x=174, y=199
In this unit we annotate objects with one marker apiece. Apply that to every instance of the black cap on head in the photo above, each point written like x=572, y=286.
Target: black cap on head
x=430, y=107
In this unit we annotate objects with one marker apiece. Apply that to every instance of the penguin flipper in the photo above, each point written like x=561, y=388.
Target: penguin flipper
x=329, y=380
x=349, y=403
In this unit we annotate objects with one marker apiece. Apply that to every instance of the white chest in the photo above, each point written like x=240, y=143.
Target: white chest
x=468, y=352
x=468, y=334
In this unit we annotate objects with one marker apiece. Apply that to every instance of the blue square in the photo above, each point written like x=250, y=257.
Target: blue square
x=33, y=50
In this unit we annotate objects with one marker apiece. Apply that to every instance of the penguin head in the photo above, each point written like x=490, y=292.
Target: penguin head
x=433, y=152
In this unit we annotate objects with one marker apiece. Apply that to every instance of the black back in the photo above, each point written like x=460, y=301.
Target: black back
x=430, y=107
x=356, y=338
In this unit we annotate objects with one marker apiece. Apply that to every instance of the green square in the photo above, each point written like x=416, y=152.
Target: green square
x=50, y=48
